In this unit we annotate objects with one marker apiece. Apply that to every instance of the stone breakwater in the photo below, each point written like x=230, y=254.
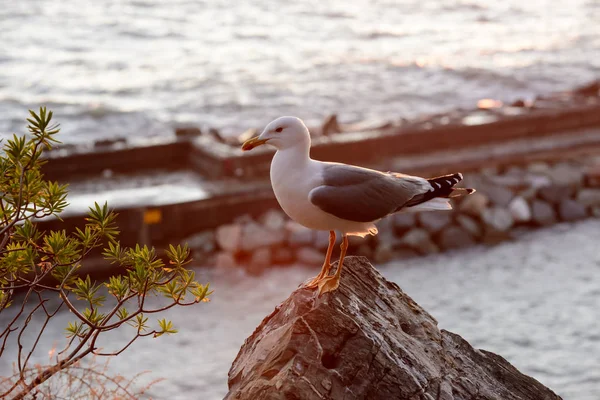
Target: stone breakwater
x=508, y=202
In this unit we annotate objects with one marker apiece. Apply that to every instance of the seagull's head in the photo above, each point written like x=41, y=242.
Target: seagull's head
x=283, y=133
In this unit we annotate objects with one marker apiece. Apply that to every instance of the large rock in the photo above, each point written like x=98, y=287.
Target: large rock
x=565, y=174
x=274, y=220
x=570, y=210
x=310, y=256
x=454, y=237
x=554, y=194
x=589, y=197
x=435, y=221
x=419, y=239
x=498, y=218
x=542, y=213
x=470, y=225
x=299, y=235
x=367, y=340
x=474, y=204
x=519, y=209
x=228, y=237
x=203, y=242
x=403, y=222
x=255, y=236
x=498, y=195
x=321, y=240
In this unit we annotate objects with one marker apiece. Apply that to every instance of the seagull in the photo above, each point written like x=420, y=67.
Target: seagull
x=339, y=197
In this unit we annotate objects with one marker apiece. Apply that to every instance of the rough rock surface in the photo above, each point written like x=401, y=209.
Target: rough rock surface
x=367, y=340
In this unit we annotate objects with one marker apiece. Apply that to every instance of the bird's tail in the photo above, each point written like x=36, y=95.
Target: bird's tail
x=439, y=197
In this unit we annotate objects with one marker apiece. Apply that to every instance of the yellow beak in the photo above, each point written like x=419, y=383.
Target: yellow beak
x=252, y=143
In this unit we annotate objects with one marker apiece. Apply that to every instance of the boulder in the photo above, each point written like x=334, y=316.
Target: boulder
x=274, y=220
x=519, y=209
x=403, y=222
x=255, y=236
x=498, y=195
x=566, y=174
x=310, y=256
x=539, y=167
x=474, y=204
x=321, y=240
x=470, y=225
x=203, y=242
x=435, y=221
x=498, y=218
x=298, y=234
x=589, y=197
x=225, y=259
x=229, y=236
x=367, y=340
x=542, y=213
x=419, y=239
x=454, y=237
x=570, y=210
x=554, y=194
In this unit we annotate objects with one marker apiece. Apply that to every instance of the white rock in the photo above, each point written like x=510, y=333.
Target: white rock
x=538, y=181
x=273, y=219
x=228, y=237
x=567, y=174
x=298, y=234
x=498, y=218
x=519, y=209
x=225, y=260
x=255, y=236
x=470, y=225
x=203, y=242
x=538, y=167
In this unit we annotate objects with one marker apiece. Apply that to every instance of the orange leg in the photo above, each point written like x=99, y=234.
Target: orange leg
x=331, y=283
x=326, y=265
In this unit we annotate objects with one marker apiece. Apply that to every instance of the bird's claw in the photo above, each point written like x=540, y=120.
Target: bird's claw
x=314, y=282
x=328, y=284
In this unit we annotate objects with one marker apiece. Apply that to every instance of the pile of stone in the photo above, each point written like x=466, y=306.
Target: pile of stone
x=507, y=203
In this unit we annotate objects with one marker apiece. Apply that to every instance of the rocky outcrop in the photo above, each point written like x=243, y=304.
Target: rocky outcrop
x=367, y=340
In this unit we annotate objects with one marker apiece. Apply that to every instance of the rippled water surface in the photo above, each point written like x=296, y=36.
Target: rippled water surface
x=535, y=302
x=137, y=67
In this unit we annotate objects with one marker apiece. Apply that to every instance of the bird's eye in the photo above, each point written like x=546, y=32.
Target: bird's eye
x=278, y=130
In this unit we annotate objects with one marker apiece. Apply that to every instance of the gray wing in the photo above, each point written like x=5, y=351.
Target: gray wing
x=364, y=195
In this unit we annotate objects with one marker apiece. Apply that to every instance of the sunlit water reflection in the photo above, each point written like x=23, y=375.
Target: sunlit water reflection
x=534, y=301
